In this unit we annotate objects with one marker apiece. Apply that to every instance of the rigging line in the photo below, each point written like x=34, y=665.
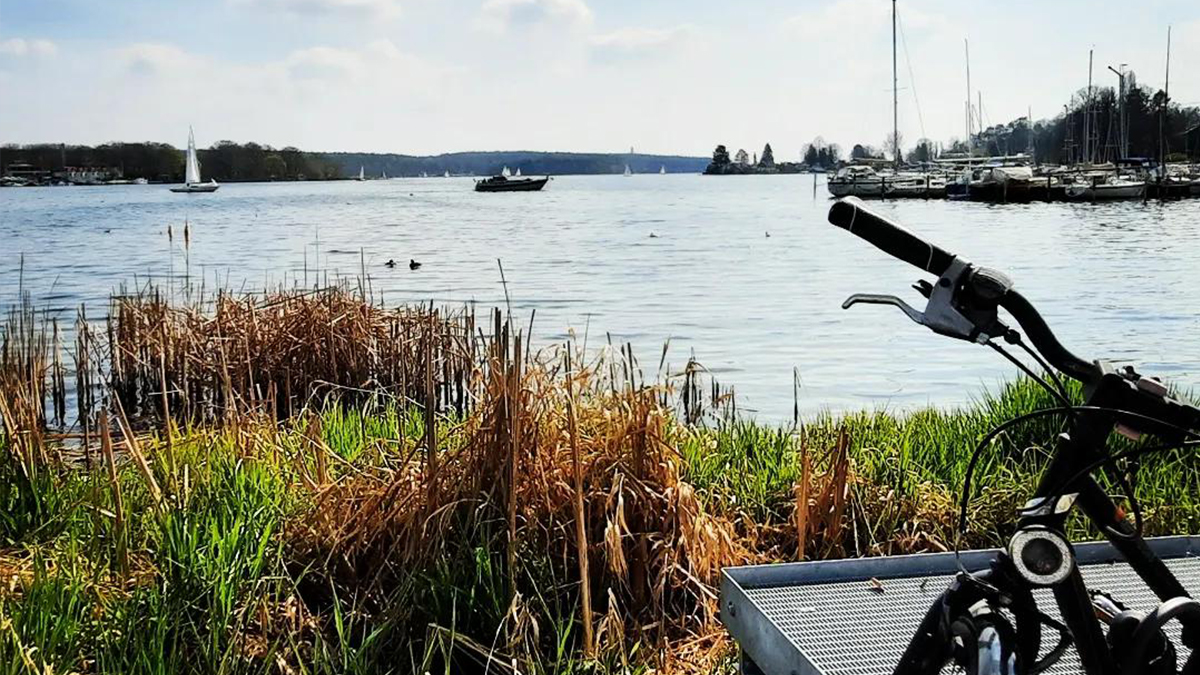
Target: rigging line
x=912, y=80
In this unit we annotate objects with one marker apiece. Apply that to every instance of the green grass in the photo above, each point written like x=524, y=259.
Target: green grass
x=214, y=586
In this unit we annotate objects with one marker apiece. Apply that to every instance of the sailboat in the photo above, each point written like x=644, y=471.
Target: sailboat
x=627, y=171
x=518, y=173
x=662, y=170
x=362, y=174
x=447, y=174
x=505, y=172
x=191, y=173
x=383, y=175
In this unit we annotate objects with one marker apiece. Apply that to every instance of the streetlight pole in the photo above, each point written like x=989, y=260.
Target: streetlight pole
x=1123, y=131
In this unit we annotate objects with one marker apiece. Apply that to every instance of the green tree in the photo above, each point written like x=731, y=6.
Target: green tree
x=274, y=166
x=768, y=156
x=721, y=156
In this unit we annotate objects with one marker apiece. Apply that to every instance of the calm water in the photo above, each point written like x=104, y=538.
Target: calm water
x=1117, y=280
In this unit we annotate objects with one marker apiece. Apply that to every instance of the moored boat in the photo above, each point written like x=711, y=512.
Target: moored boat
x=505, y=184
x=857, y=181
x=915, y=186
x=1114, y=188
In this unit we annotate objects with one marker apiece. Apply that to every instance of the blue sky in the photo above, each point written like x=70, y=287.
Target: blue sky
x=426, y=76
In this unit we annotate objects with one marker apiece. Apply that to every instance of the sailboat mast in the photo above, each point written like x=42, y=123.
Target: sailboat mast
x=1087, y=115
x=895, y=96
x=1162, y=113
x=967, y=105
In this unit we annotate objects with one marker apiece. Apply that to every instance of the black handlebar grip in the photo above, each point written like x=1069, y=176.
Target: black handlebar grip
x=849, y=213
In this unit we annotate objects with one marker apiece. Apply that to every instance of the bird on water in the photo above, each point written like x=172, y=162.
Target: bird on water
x=390, y=263
x=413, y=264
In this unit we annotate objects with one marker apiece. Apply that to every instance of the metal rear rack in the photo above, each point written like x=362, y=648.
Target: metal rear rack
x=832, y=618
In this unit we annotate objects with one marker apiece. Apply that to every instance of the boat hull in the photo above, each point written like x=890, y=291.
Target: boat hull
x=1015, y=191
x=870, y=187
x=1101, y=192
x=191, y=188
x=526, y=185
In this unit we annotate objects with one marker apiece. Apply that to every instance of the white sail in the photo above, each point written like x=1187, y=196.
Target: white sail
x=627, y=171
x=446, y=175
x=518, y=173
x=505, y=172
x=662, y=169
x=191, y=174
x=383, y=175
x=362, y=175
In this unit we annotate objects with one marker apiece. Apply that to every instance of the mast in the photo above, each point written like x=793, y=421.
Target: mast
x=1162, y=113
x=895, y=97
x=967, y=47
x=1087, y=115
x=1032, y=150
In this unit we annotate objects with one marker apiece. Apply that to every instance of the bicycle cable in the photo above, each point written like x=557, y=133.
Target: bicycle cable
x=1035, y=414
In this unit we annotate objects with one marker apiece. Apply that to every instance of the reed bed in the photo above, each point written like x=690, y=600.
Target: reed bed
x=421, y=494
x=280, y=352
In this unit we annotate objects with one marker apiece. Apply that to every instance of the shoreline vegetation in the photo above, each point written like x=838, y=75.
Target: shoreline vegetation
x=230, y=162
x=308, y=482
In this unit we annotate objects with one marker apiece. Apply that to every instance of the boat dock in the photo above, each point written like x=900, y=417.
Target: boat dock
x=1007, y=180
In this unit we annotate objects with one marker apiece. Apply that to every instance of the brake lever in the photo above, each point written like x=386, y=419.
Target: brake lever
x=879, y=299
x=940, y=315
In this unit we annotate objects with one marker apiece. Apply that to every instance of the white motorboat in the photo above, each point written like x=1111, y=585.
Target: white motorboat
x=915, y=185
x=191, y=172
x=857, y=181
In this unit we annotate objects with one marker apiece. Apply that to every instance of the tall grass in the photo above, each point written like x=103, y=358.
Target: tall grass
x=563, y=519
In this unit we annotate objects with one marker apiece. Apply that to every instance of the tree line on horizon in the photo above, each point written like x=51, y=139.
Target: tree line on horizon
x=228, y=161
x=224, y=160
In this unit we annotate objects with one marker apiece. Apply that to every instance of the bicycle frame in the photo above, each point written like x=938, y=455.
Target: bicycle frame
x=1075, y=452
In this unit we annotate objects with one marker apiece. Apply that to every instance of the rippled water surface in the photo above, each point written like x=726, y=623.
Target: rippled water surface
x=648, y=259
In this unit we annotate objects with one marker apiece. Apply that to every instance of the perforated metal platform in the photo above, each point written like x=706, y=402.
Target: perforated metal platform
x=829, y=618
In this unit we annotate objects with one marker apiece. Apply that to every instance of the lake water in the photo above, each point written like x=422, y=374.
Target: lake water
x=1115, y=280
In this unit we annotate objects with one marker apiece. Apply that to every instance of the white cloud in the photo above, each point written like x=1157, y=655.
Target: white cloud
x=500, y=15
x=23, y=47
x=628, y=44
x=364, y=8
x=155, y=58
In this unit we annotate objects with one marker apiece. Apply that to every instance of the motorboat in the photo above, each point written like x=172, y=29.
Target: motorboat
x=857, y=181
x=505, y=184
x=915, y=186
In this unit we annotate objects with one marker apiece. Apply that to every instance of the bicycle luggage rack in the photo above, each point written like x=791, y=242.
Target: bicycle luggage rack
x=856, y=616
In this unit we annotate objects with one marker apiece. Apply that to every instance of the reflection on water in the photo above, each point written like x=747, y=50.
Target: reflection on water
x=744, y=272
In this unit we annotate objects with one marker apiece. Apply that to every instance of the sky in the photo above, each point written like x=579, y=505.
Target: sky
x=660, y=76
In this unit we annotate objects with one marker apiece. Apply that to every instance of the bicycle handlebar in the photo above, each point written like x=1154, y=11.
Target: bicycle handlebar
x=852, y=215
x=1044, y=340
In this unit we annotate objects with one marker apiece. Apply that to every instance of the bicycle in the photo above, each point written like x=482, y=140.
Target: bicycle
x=988, y=623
